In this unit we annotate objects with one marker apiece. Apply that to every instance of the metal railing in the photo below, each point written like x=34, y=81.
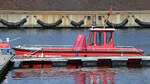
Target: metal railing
x=125, y=47
x=39, y=47
x=49, y=46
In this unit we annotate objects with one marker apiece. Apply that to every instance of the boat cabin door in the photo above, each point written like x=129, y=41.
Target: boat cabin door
x=100, y=38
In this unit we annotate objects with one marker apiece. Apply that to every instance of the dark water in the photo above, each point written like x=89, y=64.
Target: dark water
x=140, y=38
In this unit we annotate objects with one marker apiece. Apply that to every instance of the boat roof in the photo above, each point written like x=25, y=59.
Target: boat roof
x=102, y=29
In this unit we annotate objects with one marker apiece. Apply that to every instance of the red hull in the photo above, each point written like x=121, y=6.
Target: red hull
x=61, y=53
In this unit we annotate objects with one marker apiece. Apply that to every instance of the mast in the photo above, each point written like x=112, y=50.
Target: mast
x=109, y=13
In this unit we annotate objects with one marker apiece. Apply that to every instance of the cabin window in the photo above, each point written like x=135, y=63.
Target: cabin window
x=92, y=39
x=108, y=37
x=99, y=38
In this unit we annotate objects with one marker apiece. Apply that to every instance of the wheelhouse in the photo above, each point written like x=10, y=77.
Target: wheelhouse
x=101, y=38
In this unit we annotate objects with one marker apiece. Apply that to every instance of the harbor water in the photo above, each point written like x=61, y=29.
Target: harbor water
x=139, y=38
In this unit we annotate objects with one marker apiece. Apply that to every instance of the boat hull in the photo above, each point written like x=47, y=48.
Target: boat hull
x=70, y=53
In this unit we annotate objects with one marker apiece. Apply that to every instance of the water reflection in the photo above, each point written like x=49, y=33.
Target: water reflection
x=62, y=76
x=78, y=76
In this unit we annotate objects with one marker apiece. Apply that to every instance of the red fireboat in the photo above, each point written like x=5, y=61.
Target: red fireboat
x=100, y=43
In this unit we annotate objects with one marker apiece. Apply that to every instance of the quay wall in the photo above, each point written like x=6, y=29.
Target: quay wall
x=92, y=17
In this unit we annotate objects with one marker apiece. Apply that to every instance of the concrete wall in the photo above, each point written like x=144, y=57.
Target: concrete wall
x=93, y=17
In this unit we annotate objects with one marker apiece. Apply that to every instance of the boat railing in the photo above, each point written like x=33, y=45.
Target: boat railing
x=117, y=47
x=49, y=46
x=39, y=47
x=125, y=47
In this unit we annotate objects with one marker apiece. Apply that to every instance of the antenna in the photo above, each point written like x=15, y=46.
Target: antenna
x=109, y=13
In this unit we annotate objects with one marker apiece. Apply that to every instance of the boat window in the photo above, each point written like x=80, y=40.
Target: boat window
x=99, y=38
x=108, y=37
x=92, y=39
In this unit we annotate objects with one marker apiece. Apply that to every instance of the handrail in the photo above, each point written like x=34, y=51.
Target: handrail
x=39, y=47
x=45, y=46
x=52, y=45
x=125, y=46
